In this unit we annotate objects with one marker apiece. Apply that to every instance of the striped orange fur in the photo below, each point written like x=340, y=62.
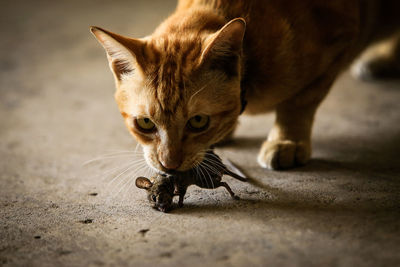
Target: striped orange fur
x=285, y=54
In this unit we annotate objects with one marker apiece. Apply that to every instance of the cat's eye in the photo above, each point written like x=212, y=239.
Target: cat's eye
x=145, y=125
x=154, y=198
x=198, y=123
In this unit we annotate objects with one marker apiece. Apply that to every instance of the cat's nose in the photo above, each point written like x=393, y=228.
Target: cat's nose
x=170, y=164
x=170, y=154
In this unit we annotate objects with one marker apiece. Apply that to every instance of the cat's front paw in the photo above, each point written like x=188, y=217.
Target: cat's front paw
x=283, y=154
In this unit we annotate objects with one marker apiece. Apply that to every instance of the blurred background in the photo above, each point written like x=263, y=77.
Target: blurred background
x=66, y=200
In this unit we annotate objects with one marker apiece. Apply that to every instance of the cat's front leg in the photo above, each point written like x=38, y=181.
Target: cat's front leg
x=288, y=144
x=289, y=141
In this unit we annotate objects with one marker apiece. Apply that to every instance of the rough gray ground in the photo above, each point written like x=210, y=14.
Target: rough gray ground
x=57, y=111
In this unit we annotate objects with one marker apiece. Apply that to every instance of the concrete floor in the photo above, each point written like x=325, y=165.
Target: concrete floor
x=57, y=112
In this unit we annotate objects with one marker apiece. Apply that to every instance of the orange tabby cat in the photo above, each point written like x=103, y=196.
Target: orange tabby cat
x=180, y=89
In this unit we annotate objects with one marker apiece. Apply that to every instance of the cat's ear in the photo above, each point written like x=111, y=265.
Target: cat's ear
x=226, y=42
x=143, y=183
x=124, y=54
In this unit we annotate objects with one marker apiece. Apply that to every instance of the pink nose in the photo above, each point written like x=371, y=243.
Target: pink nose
x=170, y=164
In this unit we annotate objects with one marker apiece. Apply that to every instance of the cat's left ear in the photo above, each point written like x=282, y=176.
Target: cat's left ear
x=125, y=55
x=225, y=42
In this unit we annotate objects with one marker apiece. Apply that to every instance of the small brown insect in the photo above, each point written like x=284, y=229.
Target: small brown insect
x=163, y=188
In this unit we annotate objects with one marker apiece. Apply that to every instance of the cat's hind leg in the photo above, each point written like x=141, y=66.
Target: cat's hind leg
x=380, y=61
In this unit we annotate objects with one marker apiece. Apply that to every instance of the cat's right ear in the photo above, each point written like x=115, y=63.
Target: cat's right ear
x=124, y=54
x=143, y=183
x=226, y=41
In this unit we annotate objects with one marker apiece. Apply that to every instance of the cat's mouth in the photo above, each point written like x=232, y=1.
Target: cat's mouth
x=163, y=171
x=190, y=162
x=166, y=172
x=183, y=168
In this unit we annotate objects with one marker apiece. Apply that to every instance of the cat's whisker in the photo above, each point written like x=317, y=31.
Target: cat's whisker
x=118, y=151
x=133, y=173
x=213, y=164
x=214, y=159
x=127, y=186
x=127, y=180
x=198, y=91
x=126, y=190
x=106, y=174
x=203, y=175
x=123, y=186
x=112, y=170
x=208, y=173
x=113, y=152
x=216, y=172
x=116, y=185
x=211, y=169
x=119, y=175
x=196, y=166
x=108, y=157
x=136, y=162
x=205, y=178
x=124, y=179
x=211, y=153
x=143, y=168
x=137, y=146
x=139, y=168
x=211, y=81
x=131, y=185
x=111, y=186
x=209, y=164
x=149, y=172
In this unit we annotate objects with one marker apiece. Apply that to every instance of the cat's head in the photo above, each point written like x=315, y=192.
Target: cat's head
x=179, y=92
